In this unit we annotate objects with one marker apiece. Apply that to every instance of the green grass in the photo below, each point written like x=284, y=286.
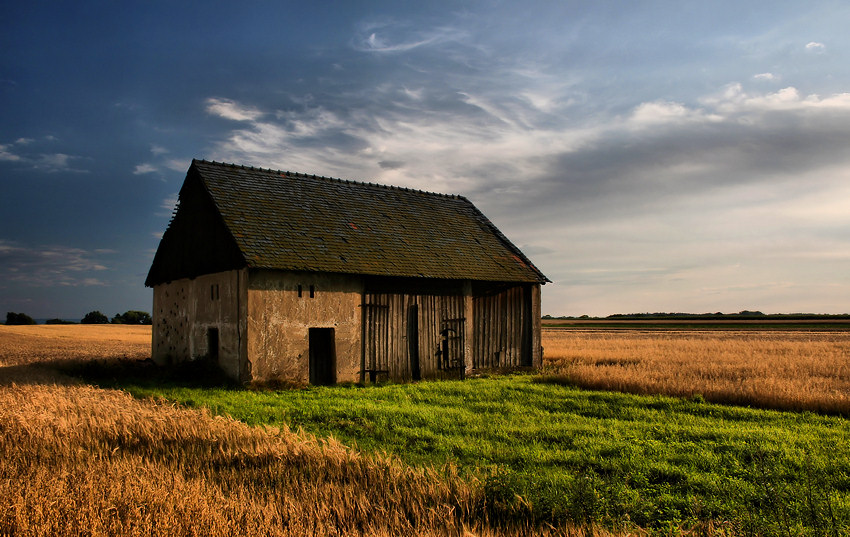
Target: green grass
x=561, y=453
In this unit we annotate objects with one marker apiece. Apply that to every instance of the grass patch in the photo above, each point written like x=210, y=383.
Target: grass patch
x=558, y=453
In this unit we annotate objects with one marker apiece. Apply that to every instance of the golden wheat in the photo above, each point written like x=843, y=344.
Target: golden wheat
x=780, y=370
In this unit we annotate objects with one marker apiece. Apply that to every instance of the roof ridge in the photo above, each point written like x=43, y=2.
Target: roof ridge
x=335, y=179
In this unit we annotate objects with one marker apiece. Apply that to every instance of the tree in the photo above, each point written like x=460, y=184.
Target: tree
x=18, y=318
x=95, y=317
x=132, y=317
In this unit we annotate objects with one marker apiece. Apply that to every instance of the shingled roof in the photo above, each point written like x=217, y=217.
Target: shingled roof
x=292, y=221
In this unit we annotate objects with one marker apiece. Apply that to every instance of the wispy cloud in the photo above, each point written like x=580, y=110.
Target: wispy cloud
x=735, y=100
x=232, y=110
x=814, y=46
x=663, y=112
x=49, y=265
x=56, y=162
x=461, y=150
x=161, y=162
x=178, y=164
x=397, y=36
x=6, y=153
x=142, y=169
x=166, y=208
x=24, y=152
x=377, y=43
x=170, y=202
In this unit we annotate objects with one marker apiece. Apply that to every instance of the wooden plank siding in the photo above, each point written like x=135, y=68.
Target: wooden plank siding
x=386, y=328
x=499, y=335
x=502, y=325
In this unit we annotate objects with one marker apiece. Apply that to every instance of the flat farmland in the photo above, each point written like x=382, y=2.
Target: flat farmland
x=773, y=324
x=21, y=345
x=124, y=449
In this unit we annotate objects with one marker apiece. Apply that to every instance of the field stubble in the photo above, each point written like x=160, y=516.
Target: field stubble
x=779, y=370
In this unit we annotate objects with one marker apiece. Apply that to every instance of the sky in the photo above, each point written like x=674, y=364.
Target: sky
x=647, y=156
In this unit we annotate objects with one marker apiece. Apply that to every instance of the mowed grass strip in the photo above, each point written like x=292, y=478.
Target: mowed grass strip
x=562, y=453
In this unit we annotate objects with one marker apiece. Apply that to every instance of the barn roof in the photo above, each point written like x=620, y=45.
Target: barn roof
x=231, y=216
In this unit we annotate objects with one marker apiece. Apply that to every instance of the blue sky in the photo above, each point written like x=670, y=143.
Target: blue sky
x=648, y=156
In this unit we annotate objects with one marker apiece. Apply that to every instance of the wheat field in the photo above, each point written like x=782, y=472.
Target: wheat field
x=80, y=460
x=789, y=370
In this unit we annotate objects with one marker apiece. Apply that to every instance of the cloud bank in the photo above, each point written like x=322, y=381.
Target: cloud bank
x=49, y=266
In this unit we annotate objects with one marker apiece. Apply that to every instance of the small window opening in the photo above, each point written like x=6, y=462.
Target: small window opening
x=299, y=290
x=214, y=292
x=312, y=291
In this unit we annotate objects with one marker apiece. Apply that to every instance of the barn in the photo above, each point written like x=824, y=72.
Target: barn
x=285, y=276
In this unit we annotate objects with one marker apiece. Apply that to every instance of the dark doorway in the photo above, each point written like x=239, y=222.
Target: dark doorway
x=212, y=344
x=322, y=356
x=413, y=341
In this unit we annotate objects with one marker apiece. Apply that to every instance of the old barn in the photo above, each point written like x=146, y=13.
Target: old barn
x=286, y=276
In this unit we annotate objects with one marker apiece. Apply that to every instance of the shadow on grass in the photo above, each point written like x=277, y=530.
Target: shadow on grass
x=123, y=372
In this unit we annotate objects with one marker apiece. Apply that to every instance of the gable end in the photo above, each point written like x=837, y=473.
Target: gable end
x=197, y=241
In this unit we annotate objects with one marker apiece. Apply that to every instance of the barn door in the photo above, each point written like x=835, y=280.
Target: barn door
x=451, y=345
x=212, y=344
x=376, y=337
x=322, y=356
x=413, y=341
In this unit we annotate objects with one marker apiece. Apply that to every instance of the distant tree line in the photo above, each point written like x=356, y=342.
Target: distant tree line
x=95, y=317
x=92, y=317
x=128, y=317
x=741, y=315
x=18, y=318
x=132, y=317
x=745, y=314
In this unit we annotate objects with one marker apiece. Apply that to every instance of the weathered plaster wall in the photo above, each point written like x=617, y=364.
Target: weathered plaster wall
x=279, y=321
x=185, y=310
